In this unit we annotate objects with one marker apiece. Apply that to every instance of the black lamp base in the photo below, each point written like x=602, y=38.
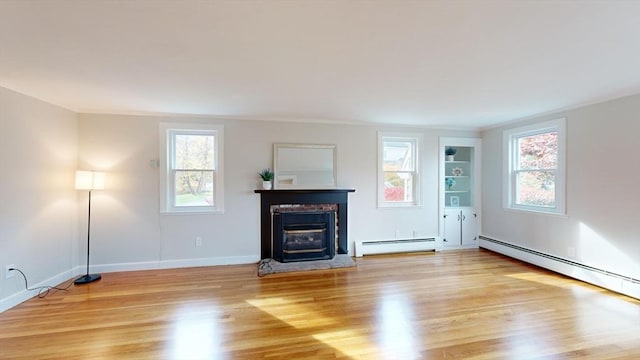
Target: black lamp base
x=85, y=279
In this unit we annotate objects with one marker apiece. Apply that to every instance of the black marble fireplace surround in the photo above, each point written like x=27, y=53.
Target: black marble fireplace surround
x=270, y=198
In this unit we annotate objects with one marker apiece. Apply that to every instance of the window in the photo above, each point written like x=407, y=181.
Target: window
x=535, y=176
x=398, y=180
x=192, y=171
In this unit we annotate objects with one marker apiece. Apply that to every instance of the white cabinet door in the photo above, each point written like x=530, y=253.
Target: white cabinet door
x=469, y=227
x=452, y=218
x=460, y=228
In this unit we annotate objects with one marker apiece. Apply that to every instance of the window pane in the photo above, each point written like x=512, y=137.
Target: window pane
x=194, y=152
x=398, y=186
x=538, y=151
x=398, y=155
x=535, y=188
x=194, y=188
x=534, y=179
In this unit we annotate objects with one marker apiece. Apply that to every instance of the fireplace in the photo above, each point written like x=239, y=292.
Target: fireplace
x=332, y=201
x=299, y=236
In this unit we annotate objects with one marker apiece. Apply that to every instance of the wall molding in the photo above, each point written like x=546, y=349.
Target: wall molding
x=606, y=279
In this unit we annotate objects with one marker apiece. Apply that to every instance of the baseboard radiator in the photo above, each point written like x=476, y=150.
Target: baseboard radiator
x=615, y=282
x=371, y=247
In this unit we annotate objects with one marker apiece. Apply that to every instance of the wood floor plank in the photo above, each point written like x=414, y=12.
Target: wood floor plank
x=467, y=304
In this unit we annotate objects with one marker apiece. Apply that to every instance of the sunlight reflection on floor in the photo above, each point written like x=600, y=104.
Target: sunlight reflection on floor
x=304, y=317
x=546, y=280
x=395, y=336
x=197, y=333
x=292, y=312
x=395, y=332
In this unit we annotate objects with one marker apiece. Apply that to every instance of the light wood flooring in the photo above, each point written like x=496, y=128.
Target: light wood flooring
x=468, y=304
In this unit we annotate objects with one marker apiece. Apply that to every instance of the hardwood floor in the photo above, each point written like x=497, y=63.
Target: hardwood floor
x=469, y=304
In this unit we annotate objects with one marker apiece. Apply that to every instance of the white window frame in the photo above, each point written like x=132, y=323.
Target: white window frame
x=166, y=178
x=510, y=158
x=416, y=139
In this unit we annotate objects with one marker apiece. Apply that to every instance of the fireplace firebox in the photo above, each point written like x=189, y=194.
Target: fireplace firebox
x=299, y=236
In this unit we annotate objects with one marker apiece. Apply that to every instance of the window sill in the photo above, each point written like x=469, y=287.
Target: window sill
x=400, y=206
x=192, y=212
x=536, y=212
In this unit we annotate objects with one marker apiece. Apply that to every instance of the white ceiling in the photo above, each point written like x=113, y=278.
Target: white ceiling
x=468, y=64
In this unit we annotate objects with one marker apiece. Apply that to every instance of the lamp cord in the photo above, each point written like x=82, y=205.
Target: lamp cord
x=42, y=290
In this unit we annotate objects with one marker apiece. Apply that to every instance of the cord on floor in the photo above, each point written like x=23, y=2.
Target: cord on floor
x=42, y=290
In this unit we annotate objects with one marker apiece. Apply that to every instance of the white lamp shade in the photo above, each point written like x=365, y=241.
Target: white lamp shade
x=89, y=180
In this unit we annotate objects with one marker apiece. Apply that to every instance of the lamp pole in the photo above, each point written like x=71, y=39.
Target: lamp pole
x=89, y=180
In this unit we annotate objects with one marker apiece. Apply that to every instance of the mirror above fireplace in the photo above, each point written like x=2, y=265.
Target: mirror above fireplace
x=304, y=166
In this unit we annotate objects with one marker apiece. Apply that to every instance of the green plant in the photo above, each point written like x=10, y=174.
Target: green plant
x=450, y=151
x=266, y=174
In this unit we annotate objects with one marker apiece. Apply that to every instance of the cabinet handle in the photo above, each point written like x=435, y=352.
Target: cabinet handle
x=464, y=218
x=444, y=216
x=458, y=217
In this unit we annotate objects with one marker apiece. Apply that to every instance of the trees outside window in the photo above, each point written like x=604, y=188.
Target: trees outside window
x=192, y=178
x=535, y=167
x=398, y=175
x=193, y=169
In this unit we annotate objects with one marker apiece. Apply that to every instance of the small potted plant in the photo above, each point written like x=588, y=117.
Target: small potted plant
x=450, y=152
x=267, y=177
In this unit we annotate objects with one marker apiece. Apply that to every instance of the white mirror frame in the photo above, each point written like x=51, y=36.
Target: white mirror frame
x=297, y=174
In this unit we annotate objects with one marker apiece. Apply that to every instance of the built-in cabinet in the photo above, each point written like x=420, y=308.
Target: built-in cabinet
x=459, y=192
x=460, y=227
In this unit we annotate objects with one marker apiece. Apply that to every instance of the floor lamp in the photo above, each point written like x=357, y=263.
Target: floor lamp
x=89, y=180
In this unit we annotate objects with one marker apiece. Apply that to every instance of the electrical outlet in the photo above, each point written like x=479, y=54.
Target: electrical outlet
x=9, y=274
x=198, y=241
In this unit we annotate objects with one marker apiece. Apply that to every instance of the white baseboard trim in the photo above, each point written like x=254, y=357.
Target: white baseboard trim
x=605, y=279
x=371, y=247
x=173, y=264
x=24, y=295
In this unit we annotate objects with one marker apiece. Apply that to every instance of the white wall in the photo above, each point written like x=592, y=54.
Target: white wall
x=603, y=191
x=38, y=204
x=128, y=231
